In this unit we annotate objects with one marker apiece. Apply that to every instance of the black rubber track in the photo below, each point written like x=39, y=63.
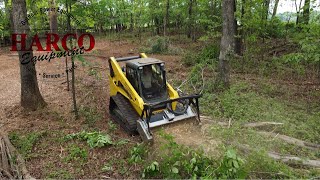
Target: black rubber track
x=123, y=112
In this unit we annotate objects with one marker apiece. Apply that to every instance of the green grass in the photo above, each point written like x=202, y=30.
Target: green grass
x=242, y=104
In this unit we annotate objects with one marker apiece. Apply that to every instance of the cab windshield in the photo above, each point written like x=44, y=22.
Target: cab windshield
x=152, y=82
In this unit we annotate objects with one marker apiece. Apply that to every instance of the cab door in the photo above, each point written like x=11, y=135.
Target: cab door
x=132, y=76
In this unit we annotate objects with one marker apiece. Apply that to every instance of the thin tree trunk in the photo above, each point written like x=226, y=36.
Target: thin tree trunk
x=275, y=8
x=30, y=95
x=53, y=17
x=227, y=41
x=166, y=19
x=131, y=22
x=237, y=32
x=306, y=12
x=298, y=9
x=75, y=109
x=266, y=9
x=190, y=23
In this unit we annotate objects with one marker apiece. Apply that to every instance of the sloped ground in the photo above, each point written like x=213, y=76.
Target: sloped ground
x=47, y=154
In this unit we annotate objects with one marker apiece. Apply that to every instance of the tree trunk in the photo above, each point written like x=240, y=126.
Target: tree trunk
x=30, y=94
x=266, y=9
x=275, y=8
x=166, y=19
x=237, y=32
x=227, y=41
x=53, y=17
x=306, y=12
x=298, y=9
x=190, y=22
x=73, y=86
x=131, y=22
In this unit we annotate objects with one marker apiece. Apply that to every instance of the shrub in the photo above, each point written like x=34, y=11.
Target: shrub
x=208, y=55
x=158, y=44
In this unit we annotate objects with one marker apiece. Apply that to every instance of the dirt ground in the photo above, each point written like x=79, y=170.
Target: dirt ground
x=57, y=118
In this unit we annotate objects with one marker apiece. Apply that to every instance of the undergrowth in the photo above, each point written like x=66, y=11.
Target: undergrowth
x=174, y=161
x=95, y=139
x=25, y=143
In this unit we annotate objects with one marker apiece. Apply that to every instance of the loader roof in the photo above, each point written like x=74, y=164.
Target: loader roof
x=143, y=61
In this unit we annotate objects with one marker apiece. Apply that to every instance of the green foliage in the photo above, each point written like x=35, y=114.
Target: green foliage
x=25, y=143
x=112, y=126
x=151, y=170
x=308, y=40
x=242, y=103
x=275, y=28
x=230, y=166
x=137, y=153
x=90, y=114
x=83, y=61
x=260, y=162
x=60, y=174
x=208, y=55
x=94, y=139
x=180, y=162
x=76, y=153
x=157, y=44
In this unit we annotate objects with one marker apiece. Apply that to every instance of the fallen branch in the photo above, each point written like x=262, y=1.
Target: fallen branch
x=294, y=160
x=292, y=140
x=259, y=124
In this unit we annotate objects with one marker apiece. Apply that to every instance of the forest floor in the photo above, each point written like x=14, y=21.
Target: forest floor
x=40, y=136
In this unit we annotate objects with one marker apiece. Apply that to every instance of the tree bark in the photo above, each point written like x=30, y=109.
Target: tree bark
x=306, y=12
x=30, y=94
x=190, y=22
x=238, y=39
x=298, y=9
x=227, y=41
x=73, y=88
x=266, y=9
x=166, y=19
x=275, y=8
x=53, y=17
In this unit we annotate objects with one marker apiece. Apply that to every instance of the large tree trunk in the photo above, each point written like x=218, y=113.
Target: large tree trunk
x=30, y=94
x=275, y=8
x=53, y=17
x=227, y=41
x=306, y=12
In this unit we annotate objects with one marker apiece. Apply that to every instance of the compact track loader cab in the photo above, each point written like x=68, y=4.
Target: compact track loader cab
x=141, y=98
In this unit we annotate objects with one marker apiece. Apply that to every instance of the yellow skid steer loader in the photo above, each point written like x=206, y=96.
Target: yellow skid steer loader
x=141, y=98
